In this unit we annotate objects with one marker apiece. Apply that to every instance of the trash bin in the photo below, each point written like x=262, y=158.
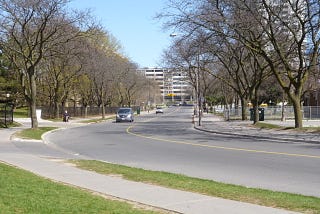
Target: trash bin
x=261, y=114
x=138, y=110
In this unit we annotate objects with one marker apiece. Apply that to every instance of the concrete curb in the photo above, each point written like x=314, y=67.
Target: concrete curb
x=257, y=136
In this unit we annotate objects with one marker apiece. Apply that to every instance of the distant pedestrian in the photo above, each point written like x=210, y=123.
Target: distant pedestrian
x=66, y=116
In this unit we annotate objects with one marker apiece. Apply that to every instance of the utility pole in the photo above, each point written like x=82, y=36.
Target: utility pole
x=198, y=89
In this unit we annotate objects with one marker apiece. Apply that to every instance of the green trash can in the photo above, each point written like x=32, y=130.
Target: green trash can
x=138, y=110
x=261, y=114
x=251, y=114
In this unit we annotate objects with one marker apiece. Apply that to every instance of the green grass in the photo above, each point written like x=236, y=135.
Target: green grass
x=9, y=125
x=21, y=112
x=24, y=192
x=310, y=129
x=268, y=198
x=98, y=120
x=267, y=126
x=34, y=133
x=273, y=126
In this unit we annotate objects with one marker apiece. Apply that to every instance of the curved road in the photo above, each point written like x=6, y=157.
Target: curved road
x=167, y=142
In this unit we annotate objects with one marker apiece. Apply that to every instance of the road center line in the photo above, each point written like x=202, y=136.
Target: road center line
x=221, y=147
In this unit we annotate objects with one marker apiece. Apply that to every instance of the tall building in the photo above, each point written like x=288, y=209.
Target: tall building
x=174, y=85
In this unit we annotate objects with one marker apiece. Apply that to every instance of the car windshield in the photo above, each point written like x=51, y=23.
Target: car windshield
x=124, y=111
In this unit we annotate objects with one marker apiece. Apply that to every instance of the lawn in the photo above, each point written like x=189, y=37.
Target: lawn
x=288, y=201
x=22, y=112
x=33, y=133
x=24, y=192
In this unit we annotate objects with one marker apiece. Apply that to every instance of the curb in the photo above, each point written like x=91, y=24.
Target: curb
x=254, y=137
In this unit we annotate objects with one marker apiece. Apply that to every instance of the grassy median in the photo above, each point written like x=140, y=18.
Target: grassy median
x=267, y=125
x=293, y=202
x=34, y=133
x=24, y=192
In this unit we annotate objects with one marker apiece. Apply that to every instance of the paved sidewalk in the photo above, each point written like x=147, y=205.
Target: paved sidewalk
x=174, y=201
x=216, y=124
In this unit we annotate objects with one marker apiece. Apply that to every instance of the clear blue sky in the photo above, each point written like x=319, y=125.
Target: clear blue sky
x=132, y=23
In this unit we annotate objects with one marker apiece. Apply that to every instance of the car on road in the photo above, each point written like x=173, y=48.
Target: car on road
x=124, y=114
x=159, y=110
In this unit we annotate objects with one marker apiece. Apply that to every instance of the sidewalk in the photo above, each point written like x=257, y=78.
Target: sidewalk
x=216, y=124
x=174, y=201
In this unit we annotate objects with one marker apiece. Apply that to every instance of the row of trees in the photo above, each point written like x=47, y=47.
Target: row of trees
x=51, y=54
x=245, y=46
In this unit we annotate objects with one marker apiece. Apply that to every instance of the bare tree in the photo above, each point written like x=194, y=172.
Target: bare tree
x=61, y=70
x=84, y=90
x=285, y=33
x=189, y=56
x=99, y=74
x=29, y=29
x=103, y=59
x=289, y=43
x=239, y=68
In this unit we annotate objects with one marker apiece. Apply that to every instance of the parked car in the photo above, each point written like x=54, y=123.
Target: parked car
x=159, y=110
x=124, y=114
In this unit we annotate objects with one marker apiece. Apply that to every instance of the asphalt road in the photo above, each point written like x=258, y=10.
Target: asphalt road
x=168, y=142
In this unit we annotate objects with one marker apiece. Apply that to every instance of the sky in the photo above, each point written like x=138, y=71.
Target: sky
x=132, y=23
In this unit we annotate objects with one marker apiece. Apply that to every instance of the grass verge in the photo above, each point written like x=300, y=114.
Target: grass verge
x=288, y=201
x=22, y=112
x=273, y=126
x=98, y=120
x=267, y=126
x=34, y=133
x=14, y=124
x=24, y=192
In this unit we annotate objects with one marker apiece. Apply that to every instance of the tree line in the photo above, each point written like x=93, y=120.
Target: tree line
x=255, y=50
x=52, y=55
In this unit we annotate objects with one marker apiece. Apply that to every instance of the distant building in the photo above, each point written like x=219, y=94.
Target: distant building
x=174, y=85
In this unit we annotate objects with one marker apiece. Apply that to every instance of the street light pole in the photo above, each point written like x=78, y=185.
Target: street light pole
x=181, y=91
x=172, y=93
x=198, y=90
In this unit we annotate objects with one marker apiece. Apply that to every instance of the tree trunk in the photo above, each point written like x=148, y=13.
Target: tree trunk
x=32, y=102
x=243, y=108
x=56, y=110
x=103, y=110
x=297, y=112
x=85, y=111
x=255, y=104
x=282, y=108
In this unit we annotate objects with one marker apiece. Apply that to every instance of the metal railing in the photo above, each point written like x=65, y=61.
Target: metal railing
x=6, y=114
x=275, y=113
x=47, y=112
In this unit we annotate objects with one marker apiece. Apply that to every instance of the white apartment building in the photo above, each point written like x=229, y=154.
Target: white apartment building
x=174, y=86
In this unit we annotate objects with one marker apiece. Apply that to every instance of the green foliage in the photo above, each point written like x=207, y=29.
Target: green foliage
x=273, y=126
x=267, y=126
x=34, y=133
x=98, y=120
x=215, y=100
x=14, y=124
x=22, y=112
x=24, y=192
x=282, y=200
